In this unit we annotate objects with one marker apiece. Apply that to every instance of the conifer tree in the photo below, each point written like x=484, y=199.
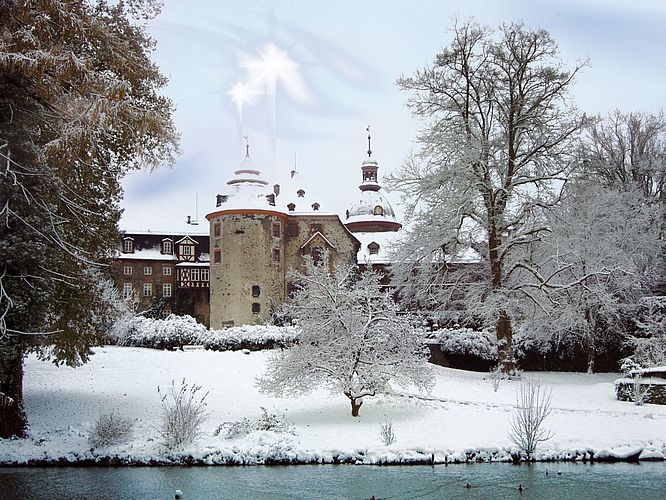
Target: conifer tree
x=79, y=107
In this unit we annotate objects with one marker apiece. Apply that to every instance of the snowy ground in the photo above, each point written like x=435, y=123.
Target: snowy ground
x=461, y=414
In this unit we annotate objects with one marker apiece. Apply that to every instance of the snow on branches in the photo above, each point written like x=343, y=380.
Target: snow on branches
x=353, y=339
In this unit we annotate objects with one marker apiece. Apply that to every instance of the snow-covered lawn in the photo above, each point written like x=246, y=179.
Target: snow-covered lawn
x=460, y=413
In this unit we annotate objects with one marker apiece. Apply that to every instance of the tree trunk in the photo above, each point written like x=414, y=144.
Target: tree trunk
x=355, y=405
x=503, y=330
x=504, y=334
x=12, y=415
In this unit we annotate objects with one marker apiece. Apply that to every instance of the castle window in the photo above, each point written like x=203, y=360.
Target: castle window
x=291, y=207
x=205, y=275
x=186, y=250
x=217, y=256
x=147, y=289
x=256, y=291
x=147, y=271
x=195, y=274
x=373, y=248
x=300, y=193
x=256, y=307
x=276, y=256
x=317, y=255
x=379, y=210
x=292, y=229
x=128, y=245
x=315, y=228
x=127, y=270
x=315, y=206
x=166, y=271
x=167, y=247
x=277, y=229
x=166, y=290
x=127, y=290
x=217, y=230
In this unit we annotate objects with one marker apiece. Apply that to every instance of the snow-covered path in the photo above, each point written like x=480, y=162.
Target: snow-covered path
x=461, y=412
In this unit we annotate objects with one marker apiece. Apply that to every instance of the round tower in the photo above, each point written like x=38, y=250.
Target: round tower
x=371, y=211
x=247, y=268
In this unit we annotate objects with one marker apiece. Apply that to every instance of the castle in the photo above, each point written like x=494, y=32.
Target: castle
x=238, y=272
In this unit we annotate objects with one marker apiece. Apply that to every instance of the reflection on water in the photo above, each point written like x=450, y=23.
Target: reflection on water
x=539, y=481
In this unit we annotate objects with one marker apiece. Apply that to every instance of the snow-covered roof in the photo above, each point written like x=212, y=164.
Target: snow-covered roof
x=386, y=240
x=364, y=209
x=193, y=264
x=247, y=190
x=466, y=255
x=146, y=254
x=292, y=190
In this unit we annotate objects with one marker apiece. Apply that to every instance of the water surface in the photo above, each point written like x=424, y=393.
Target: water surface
x=487, y=481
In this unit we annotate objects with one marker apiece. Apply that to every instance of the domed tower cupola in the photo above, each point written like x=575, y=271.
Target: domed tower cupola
x=247, y=173
x=371, y=212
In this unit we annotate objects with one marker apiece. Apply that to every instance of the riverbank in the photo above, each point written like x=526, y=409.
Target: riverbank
x=462, y=420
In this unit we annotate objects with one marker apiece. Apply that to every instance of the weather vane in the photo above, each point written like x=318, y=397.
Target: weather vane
x=369, y=149
x=247, y=146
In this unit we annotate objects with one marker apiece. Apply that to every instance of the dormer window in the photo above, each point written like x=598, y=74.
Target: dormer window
x=128, y=245
x=300, y=193
x=167, y=246
x=271, y=199
x=373, y=248
x=185, y=249
x=291, y=207
x=315, y=206
x=221, y=198
x=378, y=210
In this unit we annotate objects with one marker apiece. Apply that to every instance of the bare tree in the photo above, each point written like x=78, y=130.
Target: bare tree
x=496, y=149
x=627, y=151
x=353, y=339
x=532, y=408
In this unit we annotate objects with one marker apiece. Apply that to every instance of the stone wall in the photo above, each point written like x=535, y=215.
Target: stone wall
x=246, y=243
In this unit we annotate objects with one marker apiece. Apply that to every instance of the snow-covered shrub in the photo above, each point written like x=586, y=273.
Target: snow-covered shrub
x=386, y=434
x=465, y=341
x=183, y=413
x=274, y=422
x=109, y=429
x=628, y=365
x=532, y=408
x=175, y=331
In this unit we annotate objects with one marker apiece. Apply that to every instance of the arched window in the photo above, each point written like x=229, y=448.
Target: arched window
x=373, y=248
x=379, y=210
x=128, y=245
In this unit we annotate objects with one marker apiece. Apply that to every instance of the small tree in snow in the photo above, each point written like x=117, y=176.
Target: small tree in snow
x=532, y=408
x=183, y=414
x=352, y=339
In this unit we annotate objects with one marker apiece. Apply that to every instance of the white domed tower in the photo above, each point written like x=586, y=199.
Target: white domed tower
x=247, y=266
x=371, y=212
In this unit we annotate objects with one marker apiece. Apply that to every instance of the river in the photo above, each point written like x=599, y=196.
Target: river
x=542, y=481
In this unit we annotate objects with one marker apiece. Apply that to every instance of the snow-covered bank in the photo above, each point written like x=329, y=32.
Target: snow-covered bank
x=462, y=419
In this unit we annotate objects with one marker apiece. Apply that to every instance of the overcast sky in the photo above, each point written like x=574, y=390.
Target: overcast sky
x=303, y=79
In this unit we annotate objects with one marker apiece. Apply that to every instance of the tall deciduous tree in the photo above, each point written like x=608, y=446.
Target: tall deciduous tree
x=79, y=107
x=590, y=271
x=352, y=339
x=628, y=151
x=496, y=148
